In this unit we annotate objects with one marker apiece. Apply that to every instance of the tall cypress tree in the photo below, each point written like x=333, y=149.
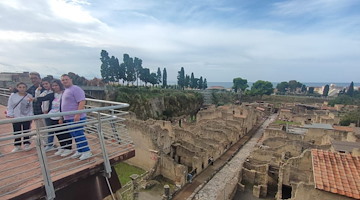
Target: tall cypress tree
x=181, y=78
x=164, y=82
x=138, y=67
x=205, y=84
x=105, y=65
x=350, y=91
x=192, y=80
x=200, y=86
x=158, y=75
x=326, y=90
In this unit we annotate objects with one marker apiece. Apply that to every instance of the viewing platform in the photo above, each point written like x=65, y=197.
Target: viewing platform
x=39, y=174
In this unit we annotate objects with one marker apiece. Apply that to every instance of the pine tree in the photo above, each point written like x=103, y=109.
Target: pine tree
x=164, y=82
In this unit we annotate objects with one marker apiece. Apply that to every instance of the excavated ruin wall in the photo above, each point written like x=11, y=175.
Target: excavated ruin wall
x=308, y=191
x=170, y=150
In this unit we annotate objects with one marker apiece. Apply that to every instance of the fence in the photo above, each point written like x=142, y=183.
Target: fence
x=37, y=166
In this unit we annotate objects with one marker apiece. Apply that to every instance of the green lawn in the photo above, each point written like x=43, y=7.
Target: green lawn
x=124, y=171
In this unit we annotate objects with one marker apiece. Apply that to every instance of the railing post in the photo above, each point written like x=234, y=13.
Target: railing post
x=103, y=149
x=49, y=187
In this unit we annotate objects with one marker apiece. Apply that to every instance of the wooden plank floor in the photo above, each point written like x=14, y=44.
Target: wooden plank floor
x=21, y=172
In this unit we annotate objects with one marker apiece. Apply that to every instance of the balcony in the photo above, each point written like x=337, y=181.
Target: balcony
x=37, y=173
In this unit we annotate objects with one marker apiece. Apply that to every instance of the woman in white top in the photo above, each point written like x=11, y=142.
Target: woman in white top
x=19, y=105
x=54, y=99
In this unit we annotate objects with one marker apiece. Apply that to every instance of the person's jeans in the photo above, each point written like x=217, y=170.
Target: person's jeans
x=79, y=136
x=25, y=128
x=50, y=136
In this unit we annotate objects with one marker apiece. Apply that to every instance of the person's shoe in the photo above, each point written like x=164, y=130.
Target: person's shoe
x=49, y=148
x=76, y=154
x=16, y=149
x=66, y=152
x=85, y=155
x=27, y=147
x=59, y=152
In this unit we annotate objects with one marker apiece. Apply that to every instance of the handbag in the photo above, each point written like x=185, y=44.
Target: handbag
x=19, y=101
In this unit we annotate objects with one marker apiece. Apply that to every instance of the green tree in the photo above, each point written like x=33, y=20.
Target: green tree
x=121, y=73
x=113, y=67
x=350, y=117
x=200, y=86
x=153, y=79
x=138, y=68
x=240, y=84
x=158, y=75
x=205, y=84
x=350, y=91
x=192, y=81
x=311, y=90
x=181, y=78
x=164, y=82
x=282, y=87
x=261, y=87
x=293, y=85
x=145, y=75
x=105, y=65
x=130, y=68
x=187, y=81
x=303, y=88
x=326, y=91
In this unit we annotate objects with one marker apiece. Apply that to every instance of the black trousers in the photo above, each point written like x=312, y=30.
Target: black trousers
x=21, y=128
x=65, y=139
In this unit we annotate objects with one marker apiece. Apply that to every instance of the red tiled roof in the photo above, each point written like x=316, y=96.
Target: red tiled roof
x=336, y=172
x=344, y=128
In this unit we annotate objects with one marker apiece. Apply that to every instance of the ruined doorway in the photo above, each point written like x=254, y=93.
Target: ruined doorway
x=286, y=192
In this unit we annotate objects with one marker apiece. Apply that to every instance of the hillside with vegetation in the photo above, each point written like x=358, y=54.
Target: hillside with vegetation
x=158, y=103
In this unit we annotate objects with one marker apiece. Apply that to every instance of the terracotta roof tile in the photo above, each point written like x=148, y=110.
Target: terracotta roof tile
x=344, y=128
x=336, y=172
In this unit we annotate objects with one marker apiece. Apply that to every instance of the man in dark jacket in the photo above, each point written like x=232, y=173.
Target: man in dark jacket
x=36, y=81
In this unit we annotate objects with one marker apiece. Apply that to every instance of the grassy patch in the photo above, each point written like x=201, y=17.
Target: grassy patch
x=285, y=122
x=124, y=171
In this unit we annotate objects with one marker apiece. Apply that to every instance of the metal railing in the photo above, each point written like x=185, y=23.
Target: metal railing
x=37, y=166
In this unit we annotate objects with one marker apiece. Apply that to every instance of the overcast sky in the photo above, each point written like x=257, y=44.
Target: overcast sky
x=305, y=40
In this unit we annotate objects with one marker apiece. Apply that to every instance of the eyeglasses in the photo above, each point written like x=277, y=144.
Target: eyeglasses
x=33, y=78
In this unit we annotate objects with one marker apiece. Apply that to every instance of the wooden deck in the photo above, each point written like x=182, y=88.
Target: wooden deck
x=21, y=175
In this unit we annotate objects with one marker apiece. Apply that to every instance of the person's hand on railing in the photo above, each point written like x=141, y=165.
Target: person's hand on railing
x=77, y=118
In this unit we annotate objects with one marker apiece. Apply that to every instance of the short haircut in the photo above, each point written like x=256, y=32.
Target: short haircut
x=47, y=79
x=21, y=83
x=35, y=74
x=66, y=75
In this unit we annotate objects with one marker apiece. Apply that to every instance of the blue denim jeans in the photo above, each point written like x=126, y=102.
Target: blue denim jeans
x=50, y=136
x=78, y=134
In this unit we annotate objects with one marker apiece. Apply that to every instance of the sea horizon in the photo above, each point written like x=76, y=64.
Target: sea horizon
x=308, y=84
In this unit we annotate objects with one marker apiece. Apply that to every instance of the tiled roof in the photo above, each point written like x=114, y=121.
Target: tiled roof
x=336, y=172
x=344, y=128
